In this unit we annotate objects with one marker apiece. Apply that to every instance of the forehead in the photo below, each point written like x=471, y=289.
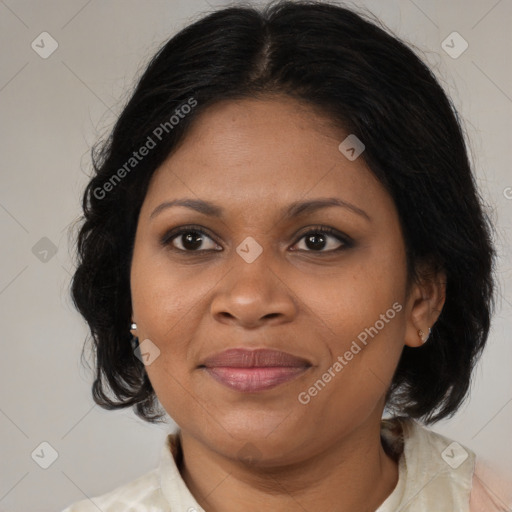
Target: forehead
x=251, y=154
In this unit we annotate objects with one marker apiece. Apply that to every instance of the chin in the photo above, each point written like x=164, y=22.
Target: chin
x=257, y=435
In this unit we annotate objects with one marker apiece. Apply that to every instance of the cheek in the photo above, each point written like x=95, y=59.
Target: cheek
x=352, y=297
x=168, y=305
x=360, y=309
x=163, y=295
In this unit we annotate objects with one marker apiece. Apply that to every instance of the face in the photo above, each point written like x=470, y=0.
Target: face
x=324, y=284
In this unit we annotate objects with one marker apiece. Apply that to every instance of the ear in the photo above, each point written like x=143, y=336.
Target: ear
x=424, y=305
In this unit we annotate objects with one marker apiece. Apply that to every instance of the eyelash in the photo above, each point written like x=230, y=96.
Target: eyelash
x=169, y=237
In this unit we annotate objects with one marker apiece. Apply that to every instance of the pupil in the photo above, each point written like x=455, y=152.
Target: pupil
x=315, y=241
x=192, y=240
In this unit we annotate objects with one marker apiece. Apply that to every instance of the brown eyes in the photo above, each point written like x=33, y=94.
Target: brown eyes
x=194, y=239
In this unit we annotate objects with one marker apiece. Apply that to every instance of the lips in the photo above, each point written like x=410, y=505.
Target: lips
x=243, y=358
x=254, y=370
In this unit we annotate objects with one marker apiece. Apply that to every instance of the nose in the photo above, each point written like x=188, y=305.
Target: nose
x=253, y=294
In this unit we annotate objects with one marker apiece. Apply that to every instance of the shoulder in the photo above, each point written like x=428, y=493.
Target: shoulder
x=419, y=443
x=139, y=494
x=448, y=463
x=435, y=472
x=161, y=489
x=492, y=490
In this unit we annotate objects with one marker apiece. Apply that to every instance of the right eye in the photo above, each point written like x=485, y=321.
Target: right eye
x=188, y=239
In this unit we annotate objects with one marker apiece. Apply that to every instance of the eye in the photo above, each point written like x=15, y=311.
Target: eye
x=321, y=237
x=189, y=239
x=195, y=239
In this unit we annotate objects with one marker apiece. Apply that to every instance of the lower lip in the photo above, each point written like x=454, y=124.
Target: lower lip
x=254, y=379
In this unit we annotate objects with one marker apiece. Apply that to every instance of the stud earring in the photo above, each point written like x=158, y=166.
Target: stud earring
x=422, y=336
x=134, y=340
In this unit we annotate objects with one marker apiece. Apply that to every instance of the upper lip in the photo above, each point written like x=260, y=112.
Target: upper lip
x=245, y=358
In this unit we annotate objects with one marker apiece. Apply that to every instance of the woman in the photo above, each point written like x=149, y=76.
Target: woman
x=281, y=242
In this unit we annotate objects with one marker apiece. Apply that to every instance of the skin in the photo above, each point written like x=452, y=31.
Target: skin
x=254, y=157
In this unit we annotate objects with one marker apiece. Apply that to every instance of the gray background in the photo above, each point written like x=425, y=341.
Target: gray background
x=53, y=109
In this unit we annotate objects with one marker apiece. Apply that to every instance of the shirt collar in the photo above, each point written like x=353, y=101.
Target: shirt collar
x=172, y=484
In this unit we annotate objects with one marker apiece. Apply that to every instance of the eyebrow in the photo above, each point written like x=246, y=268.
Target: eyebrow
x=293, y=210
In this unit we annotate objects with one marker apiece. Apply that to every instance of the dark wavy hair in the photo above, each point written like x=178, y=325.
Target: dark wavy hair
x=365, y=81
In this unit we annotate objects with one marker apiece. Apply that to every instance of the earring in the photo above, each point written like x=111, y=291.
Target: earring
x=135, y=339
x=422, y=336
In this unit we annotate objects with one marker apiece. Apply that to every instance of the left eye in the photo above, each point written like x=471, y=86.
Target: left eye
x=318, y=239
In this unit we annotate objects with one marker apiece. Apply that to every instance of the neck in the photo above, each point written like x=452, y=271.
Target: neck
x=353, y=475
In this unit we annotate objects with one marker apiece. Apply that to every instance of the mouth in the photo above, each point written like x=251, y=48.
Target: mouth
x=254, y=370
